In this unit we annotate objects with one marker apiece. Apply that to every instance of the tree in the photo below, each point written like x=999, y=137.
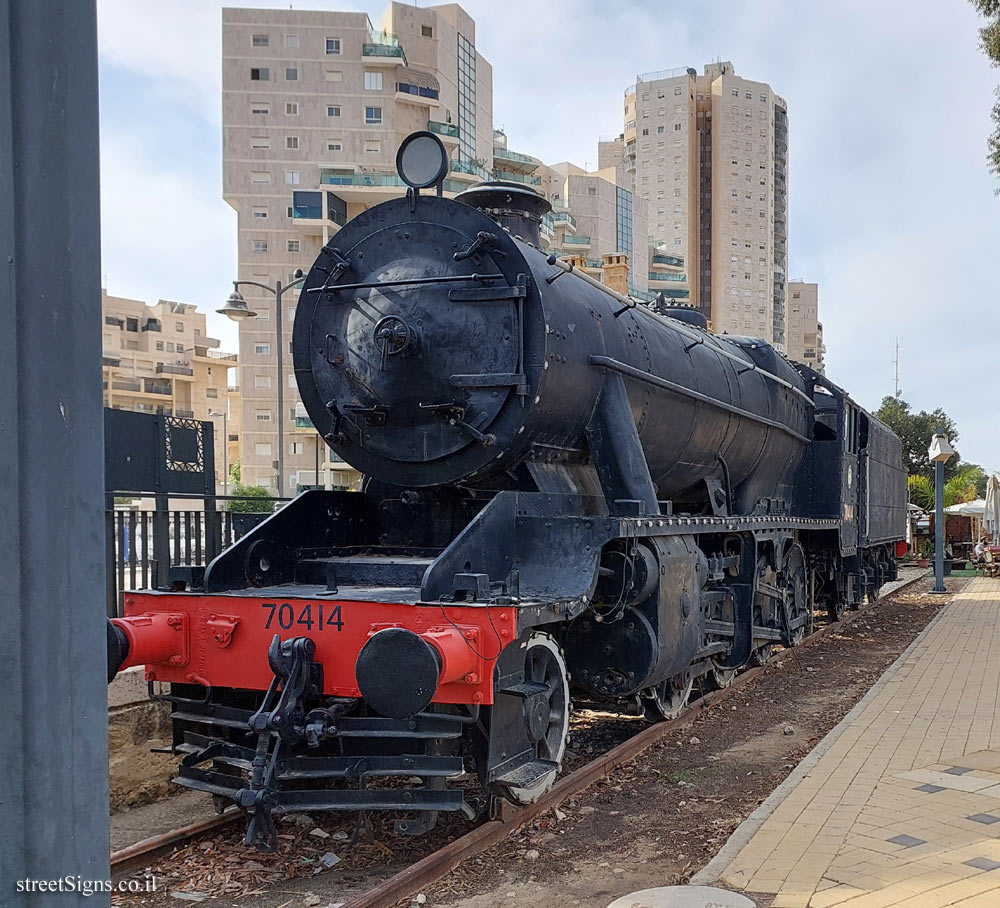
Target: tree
x=989, y=39
x=235, y=472
x=915, y=431
x=252, y=500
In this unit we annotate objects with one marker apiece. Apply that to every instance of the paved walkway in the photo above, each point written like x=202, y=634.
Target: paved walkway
x=900, y=804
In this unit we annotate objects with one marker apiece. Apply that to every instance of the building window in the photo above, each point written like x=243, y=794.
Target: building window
x=260, y=245
x=260, y=176
x=262, y=381
x=677, y=127
x=334, y=75
x=466, y=99
x=179, y=328
x=426, y=31
x=333, y=45
x=293, y=246
x=260, y=212
x=372, y=146
x=260, y=41
x=211, y=392
x=373, y=81
x=677, y=89
x=260, y=142
x=292, y=177
x=262, y=349
x=259, y=108
x=333, y=111
x=296, y=447
x=159, y=345
x=292, y=108
x=259, y=74
x=291, y=74
x=373, y=116
x=334, y=145
x=262, y=448
x=292, y=143
x=659, y=130
x=291, y=40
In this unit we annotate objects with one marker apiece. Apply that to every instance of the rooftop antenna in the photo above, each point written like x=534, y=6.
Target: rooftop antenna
x=895, y=362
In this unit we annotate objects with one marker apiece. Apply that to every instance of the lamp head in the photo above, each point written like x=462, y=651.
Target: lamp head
x=236, y=307
x=940, y=449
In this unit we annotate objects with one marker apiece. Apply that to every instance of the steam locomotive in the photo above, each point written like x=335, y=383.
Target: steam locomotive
x=565, y=491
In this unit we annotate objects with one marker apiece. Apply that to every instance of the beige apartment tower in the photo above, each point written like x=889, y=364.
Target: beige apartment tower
x=160, y=359
x=709, y=155
x=314, y=107
x=805, y=330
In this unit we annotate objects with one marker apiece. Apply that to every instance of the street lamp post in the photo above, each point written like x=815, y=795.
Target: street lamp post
x=939, y=452
x=237, y=309
x=225, y=449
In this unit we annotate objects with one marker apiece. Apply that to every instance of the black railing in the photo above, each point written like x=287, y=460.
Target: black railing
x=164, y=549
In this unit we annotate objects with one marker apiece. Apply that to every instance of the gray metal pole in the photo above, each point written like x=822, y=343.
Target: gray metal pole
x=939, y=527
x=54, y=797
x=225, y=451
x=278, y=290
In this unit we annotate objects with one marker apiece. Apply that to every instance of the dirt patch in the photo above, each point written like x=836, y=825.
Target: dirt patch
x=137, y=776
x=651, y=823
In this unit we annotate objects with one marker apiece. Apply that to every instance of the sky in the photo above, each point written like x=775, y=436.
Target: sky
x=892, y=209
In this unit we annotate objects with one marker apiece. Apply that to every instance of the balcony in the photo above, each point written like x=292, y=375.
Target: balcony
x=126, y=386
x=371, y=188
x=303, y=425
x=417, y=94
x=169, y=369
x=184, y=414
x=519, y=177
x=152, y=387
x=676, y=261
x=151, y=324
x=448, y=132
x=467, y=169
x=314, y=218
x=376, y=54
x=564, y=219
x=111, y=360
x=522, y=162
x=663, y=276
x=583, y=242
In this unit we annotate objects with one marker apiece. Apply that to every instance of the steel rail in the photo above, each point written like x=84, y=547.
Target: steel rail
x=434, y=866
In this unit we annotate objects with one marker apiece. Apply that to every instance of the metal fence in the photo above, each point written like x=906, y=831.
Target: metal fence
x=160, y=548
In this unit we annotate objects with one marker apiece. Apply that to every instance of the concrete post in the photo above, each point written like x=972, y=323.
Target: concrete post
x=54, y=796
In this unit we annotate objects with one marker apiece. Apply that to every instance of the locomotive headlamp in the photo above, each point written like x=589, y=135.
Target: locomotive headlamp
x=422, y=160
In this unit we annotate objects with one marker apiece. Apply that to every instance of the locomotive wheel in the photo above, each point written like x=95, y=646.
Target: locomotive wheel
x=668, y=698
x=546, y=716
x=765, y=608
x=720, y=678
x=796, y=591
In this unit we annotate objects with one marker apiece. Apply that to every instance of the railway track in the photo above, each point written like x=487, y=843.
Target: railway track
x=432, y=867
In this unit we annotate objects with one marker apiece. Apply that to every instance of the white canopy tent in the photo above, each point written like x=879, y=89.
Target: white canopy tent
x=968, y=508
x=991, y=509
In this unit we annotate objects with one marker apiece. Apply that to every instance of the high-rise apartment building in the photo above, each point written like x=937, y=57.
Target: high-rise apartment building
x=805, y=330
x=709, y=155
x=593, y=213
x=314, y=107
x=159, y=359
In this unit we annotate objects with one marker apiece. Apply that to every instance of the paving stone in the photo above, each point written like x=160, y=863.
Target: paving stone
x=907, y=841
x=982, y=864
x=930, y=789
x=957, y=770
x=985, y=818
